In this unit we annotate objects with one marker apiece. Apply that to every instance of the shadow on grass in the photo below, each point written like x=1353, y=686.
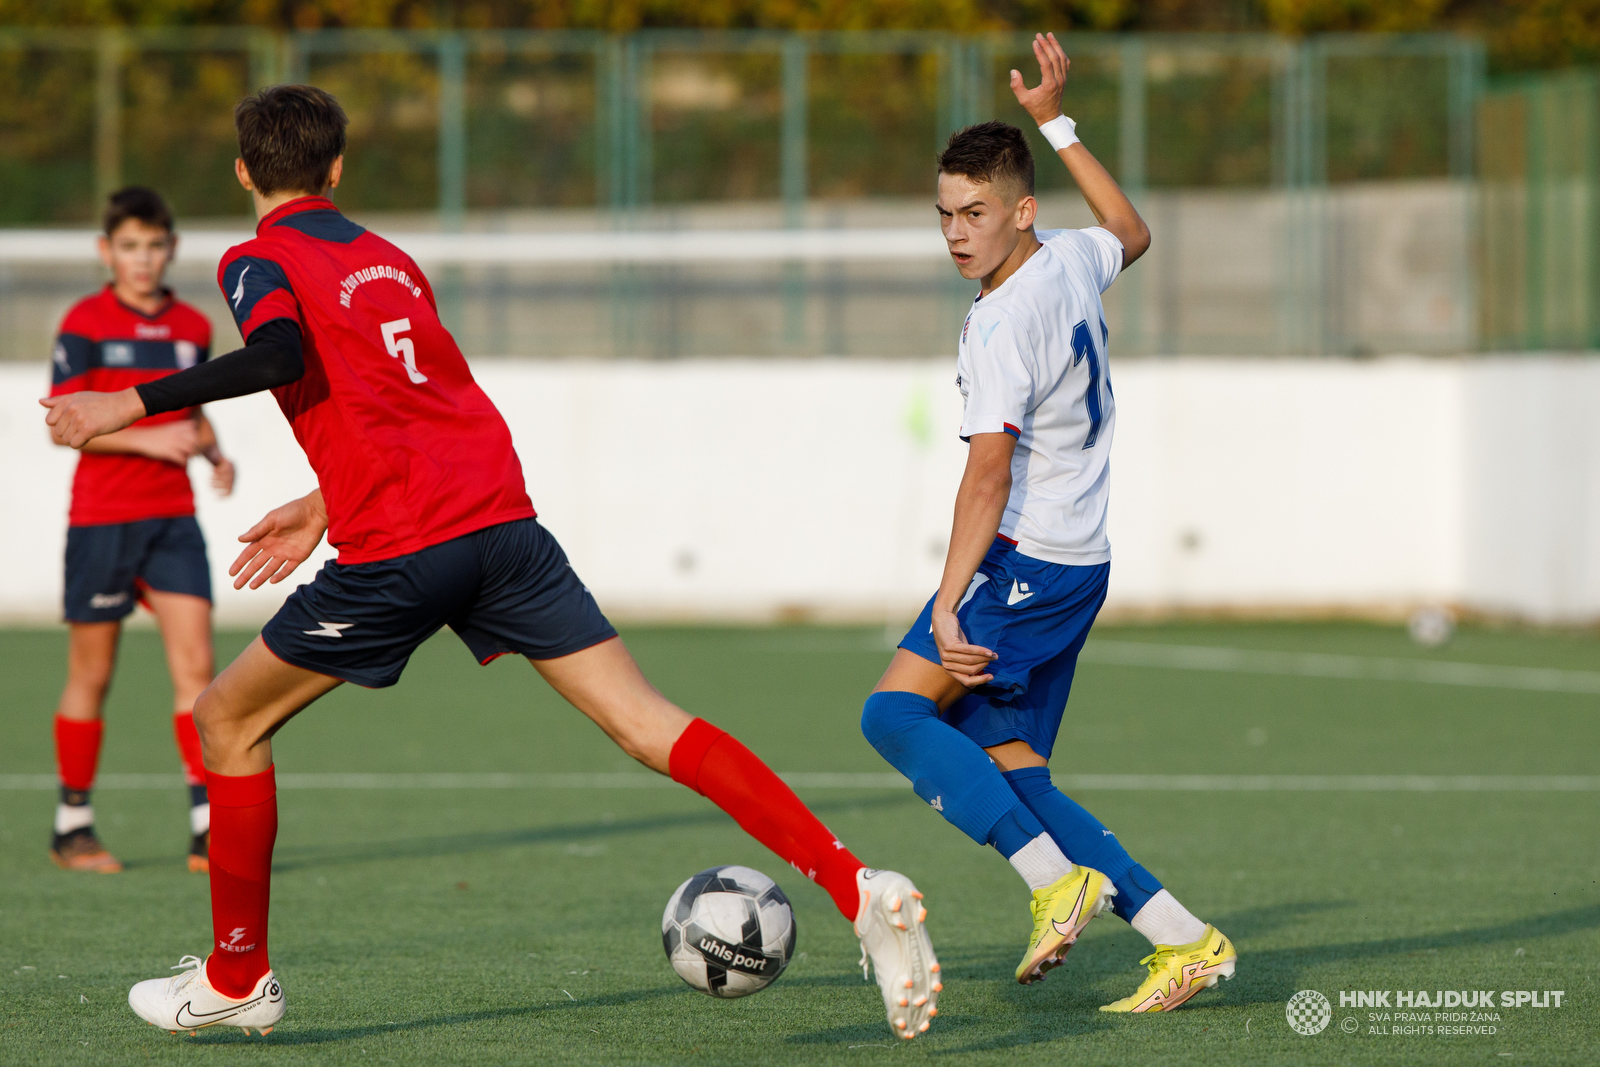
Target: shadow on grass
x=1265, y=978
x=332, y=1035
x=1271, y=977
x=1274, y=976
x=302, y=857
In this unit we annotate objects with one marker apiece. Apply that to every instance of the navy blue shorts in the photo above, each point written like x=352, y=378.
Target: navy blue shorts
x=504, y=589
x=108, y=566
x=1034, y=616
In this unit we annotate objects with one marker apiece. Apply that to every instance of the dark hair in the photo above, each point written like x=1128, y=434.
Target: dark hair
x=289, y=136
x=993, y=152
x=137, y=202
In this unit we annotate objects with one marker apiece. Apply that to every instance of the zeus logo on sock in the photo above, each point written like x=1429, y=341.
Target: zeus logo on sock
x=232, y=944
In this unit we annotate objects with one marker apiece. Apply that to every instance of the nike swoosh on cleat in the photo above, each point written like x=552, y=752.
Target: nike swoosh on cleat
x=1072, y=918
x=210, y=1017
x=1217, y=951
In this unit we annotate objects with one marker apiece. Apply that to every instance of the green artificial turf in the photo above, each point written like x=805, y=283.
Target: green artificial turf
x=486, y=926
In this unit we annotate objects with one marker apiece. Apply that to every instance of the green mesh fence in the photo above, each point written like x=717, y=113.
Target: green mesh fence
x=1539, y=166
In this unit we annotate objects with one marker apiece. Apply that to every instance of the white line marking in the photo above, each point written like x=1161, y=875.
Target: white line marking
x=1326, y=665
x=1183, y=783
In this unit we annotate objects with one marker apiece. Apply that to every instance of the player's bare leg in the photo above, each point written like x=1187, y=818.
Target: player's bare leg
x=247, y=703
x=185, y=623
x=237, y=716
x=605, y=683
x=91, y=659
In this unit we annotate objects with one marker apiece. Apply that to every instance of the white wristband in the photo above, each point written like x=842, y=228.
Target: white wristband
x=1061, y=132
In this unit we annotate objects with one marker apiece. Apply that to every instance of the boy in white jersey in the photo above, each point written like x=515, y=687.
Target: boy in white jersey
x=969, y=708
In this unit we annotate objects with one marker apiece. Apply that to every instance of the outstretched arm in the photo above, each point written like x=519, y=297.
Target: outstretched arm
x=280, y=542
x=1105, y=197
x=271, y=357
x=980, y=505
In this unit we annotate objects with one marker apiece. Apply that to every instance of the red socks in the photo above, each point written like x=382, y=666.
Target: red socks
x=714, y=764
x=78, y=751
x=244, y=824
x=194, y=768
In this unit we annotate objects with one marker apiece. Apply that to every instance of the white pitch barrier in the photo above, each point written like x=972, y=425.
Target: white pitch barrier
x=768, y=489
x=549, y=247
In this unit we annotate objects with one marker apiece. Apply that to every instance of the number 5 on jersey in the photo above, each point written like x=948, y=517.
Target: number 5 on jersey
x=402, y=347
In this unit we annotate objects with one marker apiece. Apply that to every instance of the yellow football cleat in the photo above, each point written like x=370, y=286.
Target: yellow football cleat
x=1178, y=972
x=1060, y=912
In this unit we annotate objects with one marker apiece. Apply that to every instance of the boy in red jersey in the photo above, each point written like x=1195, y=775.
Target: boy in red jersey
x=132, y=534
x=422, y=493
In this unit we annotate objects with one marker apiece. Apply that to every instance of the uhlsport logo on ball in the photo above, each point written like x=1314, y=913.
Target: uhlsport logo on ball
x=1308, y=1012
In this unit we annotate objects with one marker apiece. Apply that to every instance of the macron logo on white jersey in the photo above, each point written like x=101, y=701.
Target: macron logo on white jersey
x=238, y=291
x=329, y=629
x=1019, y=593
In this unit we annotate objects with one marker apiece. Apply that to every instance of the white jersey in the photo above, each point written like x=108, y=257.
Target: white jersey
x=1032, y=363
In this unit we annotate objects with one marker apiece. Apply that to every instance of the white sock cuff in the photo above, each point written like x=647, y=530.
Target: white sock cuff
x=70, y=817
x=200, y=818
x=1041, y=862
x=1166, y=922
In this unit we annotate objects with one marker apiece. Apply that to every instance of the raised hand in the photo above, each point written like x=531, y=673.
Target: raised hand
x=77, y=418
x=280, y=542
x=1043, y=102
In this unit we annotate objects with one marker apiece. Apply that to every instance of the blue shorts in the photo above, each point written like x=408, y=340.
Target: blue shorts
x=109, y=566
x=503, y=589
x=1034, y=616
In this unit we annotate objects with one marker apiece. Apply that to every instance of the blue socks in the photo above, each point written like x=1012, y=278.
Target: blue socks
x=1004, y=809
x=948, y=770
x=1085, y=839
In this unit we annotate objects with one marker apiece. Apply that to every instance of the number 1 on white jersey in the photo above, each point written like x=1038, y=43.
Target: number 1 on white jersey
x=402, y=347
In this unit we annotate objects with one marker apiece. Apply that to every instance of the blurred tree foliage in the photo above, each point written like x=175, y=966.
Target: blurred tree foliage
x=1522, y=34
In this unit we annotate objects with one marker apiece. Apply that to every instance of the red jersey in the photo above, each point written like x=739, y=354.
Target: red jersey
x=409, y=452
x=105, y=346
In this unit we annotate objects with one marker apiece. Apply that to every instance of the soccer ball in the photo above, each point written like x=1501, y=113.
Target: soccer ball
x=728, y=931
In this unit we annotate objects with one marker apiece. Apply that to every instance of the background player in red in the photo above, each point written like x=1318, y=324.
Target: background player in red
x=423, y=495
x=132, y=535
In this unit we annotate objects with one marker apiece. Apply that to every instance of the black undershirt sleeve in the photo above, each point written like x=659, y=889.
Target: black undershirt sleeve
x=271, y=357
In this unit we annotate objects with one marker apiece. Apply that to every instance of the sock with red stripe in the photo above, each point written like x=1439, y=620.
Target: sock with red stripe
x=188, y=738
x=78, y=752
x=244, y=825
x=714, y=764
x=194, y=770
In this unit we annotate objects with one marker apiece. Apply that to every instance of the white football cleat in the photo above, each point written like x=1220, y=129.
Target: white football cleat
x=890, y=926
x=186, y=1001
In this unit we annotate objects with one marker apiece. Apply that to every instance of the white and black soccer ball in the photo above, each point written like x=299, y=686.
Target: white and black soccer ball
x=728, y=931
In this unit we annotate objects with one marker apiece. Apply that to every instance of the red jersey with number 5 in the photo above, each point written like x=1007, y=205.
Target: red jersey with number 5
x=408, y=450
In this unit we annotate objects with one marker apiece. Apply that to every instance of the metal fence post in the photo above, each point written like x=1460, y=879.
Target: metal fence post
x=1131, y=134
x=1466, y=63
x=1303, y=169
x=793, y=180
x=108, y=114
x=628, y=154
x=264, y=59
x=980, y=83
x=793, y=149
x=452, y=132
